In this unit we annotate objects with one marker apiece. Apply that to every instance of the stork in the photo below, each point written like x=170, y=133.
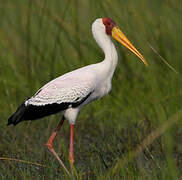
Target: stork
x=73, y=90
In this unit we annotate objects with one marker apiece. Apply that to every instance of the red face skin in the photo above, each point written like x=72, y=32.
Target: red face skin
x=109, y=24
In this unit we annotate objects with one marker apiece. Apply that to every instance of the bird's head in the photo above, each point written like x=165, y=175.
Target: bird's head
x=108, y=26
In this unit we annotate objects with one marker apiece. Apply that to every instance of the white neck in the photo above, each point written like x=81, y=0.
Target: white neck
x=105, y=43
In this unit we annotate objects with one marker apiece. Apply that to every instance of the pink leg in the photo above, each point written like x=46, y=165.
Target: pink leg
x=50, y=141
x=71, y=144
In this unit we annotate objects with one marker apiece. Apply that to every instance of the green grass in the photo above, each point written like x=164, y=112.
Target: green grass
x=133, y=133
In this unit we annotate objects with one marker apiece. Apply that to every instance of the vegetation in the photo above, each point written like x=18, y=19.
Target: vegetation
x=133, y=133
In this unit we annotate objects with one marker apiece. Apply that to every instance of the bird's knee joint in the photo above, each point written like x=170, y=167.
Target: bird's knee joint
x=49, y=146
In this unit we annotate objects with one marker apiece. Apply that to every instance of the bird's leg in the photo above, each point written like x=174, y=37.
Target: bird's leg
x=71, y=150
x=71, y=144
x=53, y=135
x=50, y=141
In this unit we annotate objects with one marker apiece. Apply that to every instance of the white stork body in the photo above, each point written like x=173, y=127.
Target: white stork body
x=93, y=80
x=71, y=91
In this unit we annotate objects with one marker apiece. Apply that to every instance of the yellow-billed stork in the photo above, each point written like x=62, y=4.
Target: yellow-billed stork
x=71, y=91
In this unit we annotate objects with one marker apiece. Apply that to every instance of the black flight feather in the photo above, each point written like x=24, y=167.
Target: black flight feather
x=32, y=112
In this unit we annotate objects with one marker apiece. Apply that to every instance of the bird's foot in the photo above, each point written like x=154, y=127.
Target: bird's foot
x=51, y=149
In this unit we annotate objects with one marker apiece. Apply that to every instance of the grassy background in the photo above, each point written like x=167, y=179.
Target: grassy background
x=40, y=40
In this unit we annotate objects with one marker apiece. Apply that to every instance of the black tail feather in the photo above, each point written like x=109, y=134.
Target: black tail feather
x=32, y=112
x=18, y=115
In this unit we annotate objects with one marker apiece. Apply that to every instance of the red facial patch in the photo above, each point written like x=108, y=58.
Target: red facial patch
x=109, y=24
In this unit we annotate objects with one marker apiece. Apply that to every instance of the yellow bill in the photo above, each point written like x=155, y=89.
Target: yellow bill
x=121, y=38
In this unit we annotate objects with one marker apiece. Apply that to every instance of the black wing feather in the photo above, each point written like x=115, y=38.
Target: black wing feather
x=32, y=112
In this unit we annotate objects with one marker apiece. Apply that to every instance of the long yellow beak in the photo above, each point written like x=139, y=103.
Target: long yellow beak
x=121, y=38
